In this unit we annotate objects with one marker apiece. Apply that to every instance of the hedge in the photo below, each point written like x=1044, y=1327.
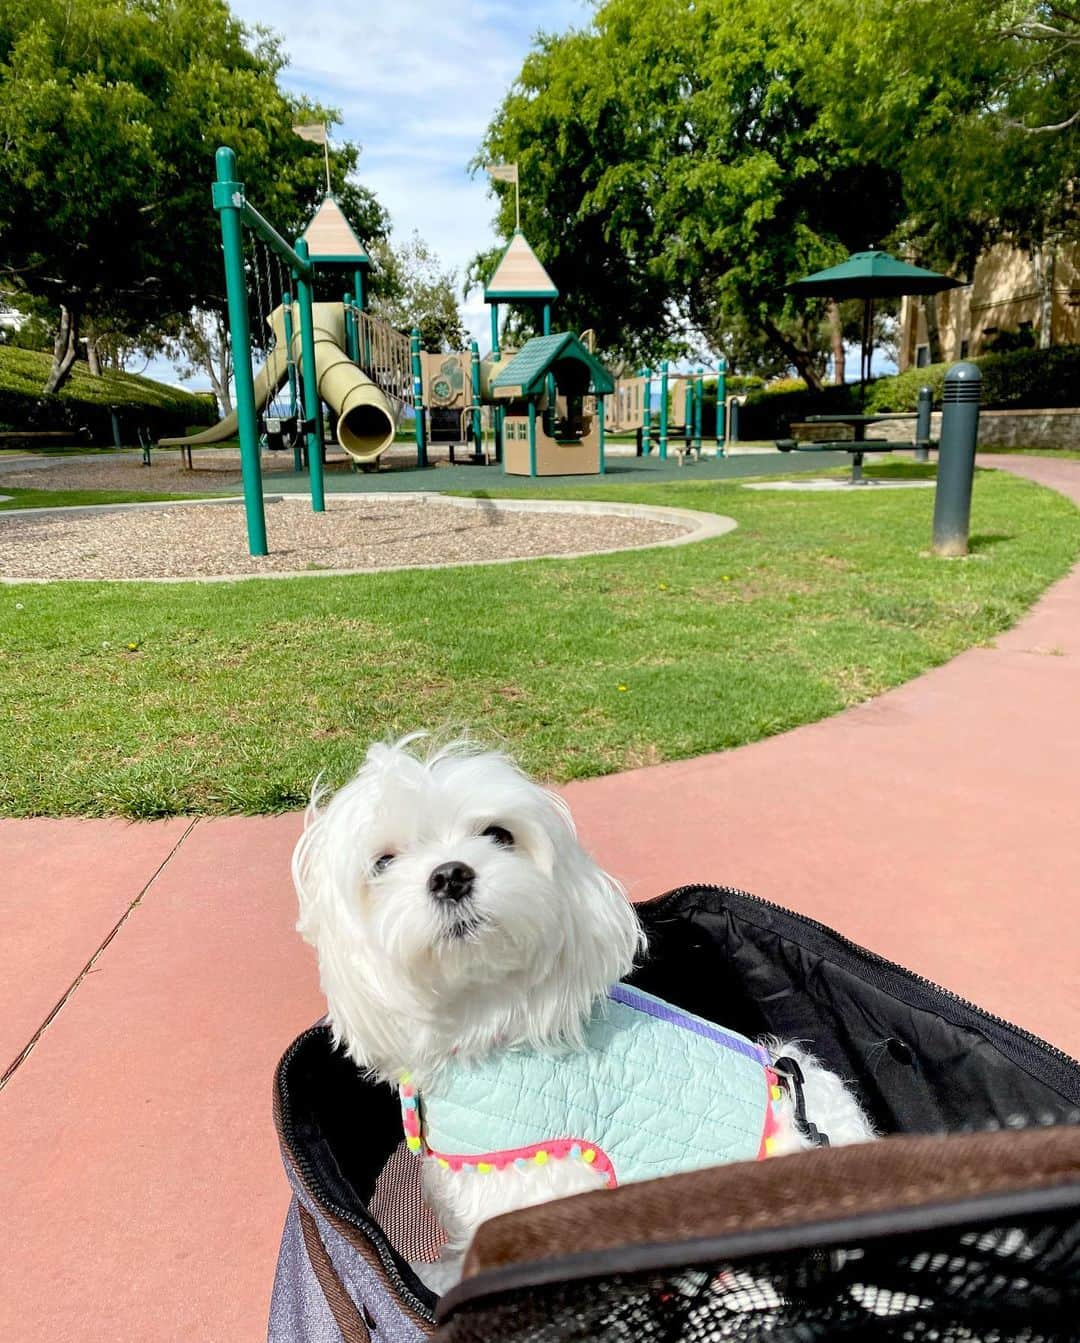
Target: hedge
x=83, y=405
x=1018, y=380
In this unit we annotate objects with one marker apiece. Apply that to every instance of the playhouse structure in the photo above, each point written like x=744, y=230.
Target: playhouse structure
x=551, y=397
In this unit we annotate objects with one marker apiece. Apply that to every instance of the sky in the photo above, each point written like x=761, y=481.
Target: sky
x=417, y=82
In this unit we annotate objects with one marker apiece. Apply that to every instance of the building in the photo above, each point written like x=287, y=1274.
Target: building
x=1012, y=293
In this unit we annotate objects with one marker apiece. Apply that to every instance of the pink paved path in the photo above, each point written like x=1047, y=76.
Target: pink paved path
x=144, y=1199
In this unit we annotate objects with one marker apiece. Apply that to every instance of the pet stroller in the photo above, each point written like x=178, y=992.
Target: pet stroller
x=965, y=1225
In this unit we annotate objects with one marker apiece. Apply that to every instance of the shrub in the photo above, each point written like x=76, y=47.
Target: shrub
x=768, y=413
x=83, y=405
x=1016, y=380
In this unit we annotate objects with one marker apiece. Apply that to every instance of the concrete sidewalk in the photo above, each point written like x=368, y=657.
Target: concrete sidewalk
x=150, y=975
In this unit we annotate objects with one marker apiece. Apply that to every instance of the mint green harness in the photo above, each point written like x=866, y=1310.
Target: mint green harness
x=655, y=1090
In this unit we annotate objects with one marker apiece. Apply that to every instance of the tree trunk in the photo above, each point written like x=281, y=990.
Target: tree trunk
x=836, y=335
x=218, y=365
x=1044, y=262
x=933, y=332
x=65, y=347
x=801, y=360
x=93, y=356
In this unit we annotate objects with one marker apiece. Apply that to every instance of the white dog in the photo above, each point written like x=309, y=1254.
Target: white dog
x=471, y=954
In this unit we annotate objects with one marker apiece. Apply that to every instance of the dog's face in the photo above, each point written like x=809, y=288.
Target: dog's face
x=453, y=910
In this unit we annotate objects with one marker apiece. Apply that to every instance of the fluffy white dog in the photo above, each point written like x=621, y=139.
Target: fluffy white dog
x=471, y=954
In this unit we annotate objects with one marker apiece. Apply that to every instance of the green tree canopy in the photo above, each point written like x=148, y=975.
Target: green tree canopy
x=110, y=113
x=674, y=176
x=680, y=163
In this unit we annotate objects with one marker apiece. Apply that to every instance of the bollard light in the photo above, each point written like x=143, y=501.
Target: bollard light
x=956, y=459
x=923, y=408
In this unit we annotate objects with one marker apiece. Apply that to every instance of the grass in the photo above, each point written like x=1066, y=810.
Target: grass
x=1069, y=454
x=25, y=372
x=76, y=498
x=150, y=700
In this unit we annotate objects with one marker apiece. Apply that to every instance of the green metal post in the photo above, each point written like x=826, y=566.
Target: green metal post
x=688, y=413
x=549, y=382
x=361, y=306
x=312, y=405
x=294, y=390
x=663, y=408
x=956, y=458
x=699, y=397
x=721, y=407
x=923, y=410
x=532, y=437
x=600, y=422
x=418, y=397
x=228, y=196
x=646, y=415
x=494, y=331
x=477, y=420
x=350, y=327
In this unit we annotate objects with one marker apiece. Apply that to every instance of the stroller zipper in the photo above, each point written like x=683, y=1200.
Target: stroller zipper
x=311, y=1181
x=871, y=959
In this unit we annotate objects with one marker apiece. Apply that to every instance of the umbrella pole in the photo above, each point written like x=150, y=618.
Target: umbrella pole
x=867, y=350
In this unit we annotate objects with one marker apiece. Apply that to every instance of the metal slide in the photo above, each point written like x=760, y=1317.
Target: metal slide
x=366, y=416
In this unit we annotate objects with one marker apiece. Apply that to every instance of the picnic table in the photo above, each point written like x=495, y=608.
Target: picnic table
x=857, y=445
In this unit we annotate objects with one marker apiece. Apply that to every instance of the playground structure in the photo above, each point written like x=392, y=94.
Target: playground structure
x=669, y=417
x=552, y=408
x=543, y=406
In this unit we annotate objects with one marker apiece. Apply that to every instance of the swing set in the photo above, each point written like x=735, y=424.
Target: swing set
x=236, y=214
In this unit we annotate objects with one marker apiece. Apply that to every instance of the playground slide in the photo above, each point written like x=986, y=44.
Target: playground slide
x=267, y=381
x=366, y=417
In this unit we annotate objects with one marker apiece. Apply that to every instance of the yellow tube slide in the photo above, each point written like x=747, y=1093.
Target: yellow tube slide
x=366, y=417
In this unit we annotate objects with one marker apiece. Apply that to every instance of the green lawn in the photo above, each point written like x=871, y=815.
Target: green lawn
x=148, y=700
x=73, y=498
x=1069, y=454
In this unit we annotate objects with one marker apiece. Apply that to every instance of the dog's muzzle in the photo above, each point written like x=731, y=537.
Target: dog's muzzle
x=452, y=881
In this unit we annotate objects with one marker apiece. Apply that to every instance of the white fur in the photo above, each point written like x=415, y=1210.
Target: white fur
x=544, y=934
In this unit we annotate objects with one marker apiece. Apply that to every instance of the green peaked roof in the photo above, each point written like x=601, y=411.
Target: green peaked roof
x=524, y=375
x=519, y=274
x=330, y=237
x=872, y=275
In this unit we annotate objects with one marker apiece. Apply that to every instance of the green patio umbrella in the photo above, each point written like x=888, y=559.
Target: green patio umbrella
x=871, y=275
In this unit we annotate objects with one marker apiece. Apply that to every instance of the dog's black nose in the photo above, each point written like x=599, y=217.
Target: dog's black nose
x=451, y=881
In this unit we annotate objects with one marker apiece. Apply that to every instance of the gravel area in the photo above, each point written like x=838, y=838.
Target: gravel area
x=216, y=471
x=377, y=532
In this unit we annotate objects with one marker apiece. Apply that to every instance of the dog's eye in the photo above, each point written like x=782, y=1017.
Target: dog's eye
x=500, y=835
x=382, y=862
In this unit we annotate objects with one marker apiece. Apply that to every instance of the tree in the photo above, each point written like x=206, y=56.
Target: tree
x=980, y=115
x=110, y=113
x=410, y=288
x=675, y=175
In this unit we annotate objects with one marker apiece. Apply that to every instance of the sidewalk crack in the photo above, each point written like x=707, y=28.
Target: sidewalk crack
x=24, y=1054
